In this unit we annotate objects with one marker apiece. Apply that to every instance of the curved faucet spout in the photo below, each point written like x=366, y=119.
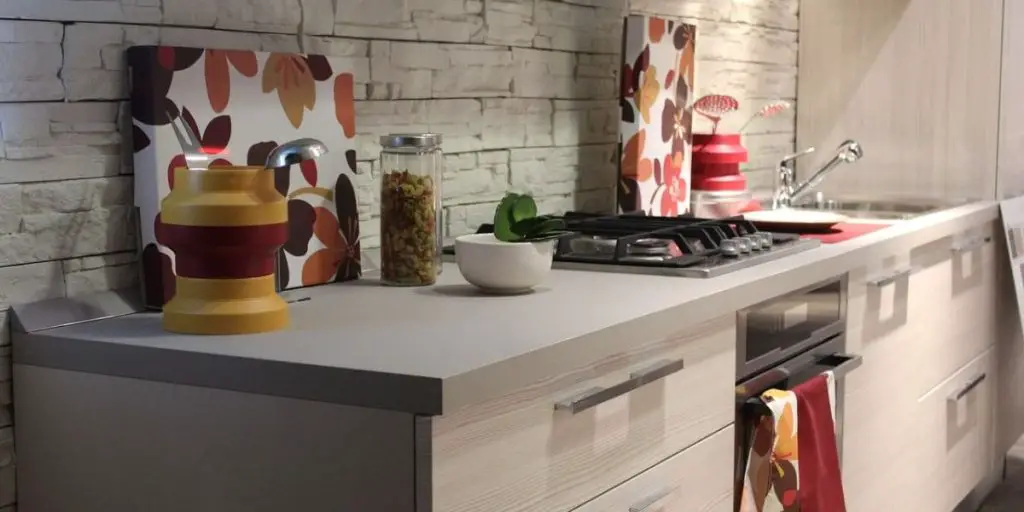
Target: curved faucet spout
x=847, y=153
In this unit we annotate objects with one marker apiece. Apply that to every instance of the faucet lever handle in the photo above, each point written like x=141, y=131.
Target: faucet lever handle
x=789, y=158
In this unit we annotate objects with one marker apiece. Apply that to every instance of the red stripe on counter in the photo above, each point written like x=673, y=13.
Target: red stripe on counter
x=235, y=252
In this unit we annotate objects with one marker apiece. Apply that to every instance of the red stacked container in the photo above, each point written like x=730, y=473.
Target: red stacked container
x=719, y=188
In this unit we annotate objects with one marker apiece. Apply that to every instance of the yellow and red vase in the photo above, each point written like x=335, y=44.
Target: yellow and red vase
x=225, y=226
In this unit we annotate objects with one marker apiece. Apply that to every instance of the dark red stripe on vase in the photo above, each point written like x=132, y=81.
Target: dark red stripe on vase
x=235, y=252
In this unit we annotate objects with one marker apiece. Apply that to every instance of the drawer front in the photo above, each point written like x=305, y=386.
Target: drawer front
x=522, y=453
x=935, y=302
x=957, y=430
x=698, y=479
x=964, y=307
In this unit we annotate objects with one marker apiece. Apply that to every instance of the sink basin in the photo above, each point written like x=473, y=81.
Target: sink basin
x=882, y=210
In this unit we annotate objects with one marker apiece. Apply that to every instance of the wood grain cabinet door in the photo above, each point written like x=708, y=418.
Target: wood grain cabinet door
x=916, y=317
x=556, y=444
x=958, y=433
x=698, y=479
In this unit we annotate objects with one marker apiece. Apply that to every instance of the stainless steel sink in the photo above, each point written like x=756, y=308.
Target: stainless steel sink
x=889, y=210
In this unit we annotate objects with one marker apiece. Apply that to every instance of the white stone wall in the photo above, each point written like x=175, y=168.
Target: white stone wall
x=523, y=90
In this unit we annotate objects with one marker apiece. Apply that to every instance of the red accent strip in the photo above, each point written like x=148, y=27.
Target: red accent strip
x=235, y=252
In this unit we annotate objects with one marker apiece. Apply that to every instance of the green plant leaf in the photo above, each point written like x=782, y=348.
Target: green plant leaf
x=504, y=219
x=551, y=235
x=544, y=226
x=524, y=208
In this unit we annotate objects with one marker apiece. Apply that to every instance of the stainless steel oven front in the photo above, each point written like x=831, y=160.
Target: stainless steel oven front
x=784, y=326
x=783, y=342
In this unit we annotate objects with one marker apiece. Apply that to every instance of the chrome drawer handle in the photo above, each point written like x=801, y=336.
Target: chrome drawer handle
x=650, y=501
x=962, y=392
x=891, y=278
x=598, y=395
x=970, y=245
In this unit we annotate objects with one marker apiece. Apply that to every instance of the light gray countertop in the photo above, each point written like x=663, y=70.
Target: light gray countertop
x=435, y=349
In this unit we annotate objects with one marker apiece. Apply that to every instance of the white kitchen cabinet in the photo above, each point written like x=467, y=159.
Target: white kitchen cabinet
x=916, y=82
x=917, y=318
x=519, y=453
x=698, y=479
x=956, y=432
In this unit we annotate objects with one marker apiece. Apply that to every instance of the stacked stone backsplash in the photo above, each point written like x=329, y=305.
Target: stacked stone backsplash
x=524, y=92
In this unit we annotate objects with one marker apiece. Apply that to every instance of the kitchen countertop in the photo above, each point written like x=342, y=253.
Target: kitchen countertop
x=435, y=349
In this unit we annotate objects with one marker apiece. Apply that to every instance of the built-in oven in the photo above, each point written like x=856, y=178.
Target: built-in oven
x=783, y=342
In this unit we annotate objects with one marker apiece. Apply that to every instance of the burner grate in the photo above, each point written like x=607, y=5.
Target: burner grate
x=634, y=239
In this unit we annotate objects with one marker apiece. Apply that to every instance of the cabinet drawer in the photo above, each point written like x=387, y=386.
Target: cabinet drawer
x=957, y=431
x=936, y=301
x=518, y=453
x=698, y=479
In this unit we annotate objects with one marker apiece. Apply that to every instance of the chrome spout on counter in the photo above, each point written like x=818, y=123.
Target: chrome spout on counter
x=788, y=190
x=293, y=152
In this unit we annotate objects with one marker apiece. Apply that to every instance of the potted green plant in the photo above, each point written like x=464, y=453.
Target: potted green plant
x=517, y=256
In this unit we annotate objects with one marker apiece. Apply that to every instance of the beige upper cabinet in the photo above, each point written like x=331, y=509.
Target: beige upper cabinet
x=916, y=82
x=1011, y=115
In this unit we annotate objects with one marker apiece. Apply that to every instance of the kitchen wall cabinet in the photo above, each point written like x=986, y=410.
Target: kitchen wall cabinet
x=926, y=323
x=1011, y=113
x=916, y=82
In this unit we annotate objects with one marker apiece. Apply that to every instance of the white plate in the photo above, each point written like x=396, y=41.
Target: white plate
x=789, y=219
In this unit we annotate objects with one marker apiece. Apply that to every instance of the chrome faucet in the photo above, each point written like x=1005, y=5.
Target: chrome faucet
x=787, y=190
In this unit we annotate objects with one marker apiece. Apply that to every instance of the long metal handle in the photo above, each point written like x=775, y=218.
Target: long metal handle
x=839, y=364
x=648, y=502
x=962, y=392
x=891, y=278
x=798, y=154
x=971, y=245
x=598, y=395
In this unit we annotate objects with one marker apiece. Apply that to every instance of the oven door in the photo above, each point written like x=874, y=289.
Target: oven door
x=785, y=326
x=749, y=408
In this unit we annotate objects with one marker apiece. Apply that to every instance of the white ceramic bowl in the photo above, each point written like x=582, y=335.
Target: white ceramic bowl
x=503, y=267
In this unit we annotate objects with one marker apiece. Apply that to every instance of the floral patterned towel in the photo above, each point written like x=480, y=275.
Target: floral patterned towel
x=772, y=480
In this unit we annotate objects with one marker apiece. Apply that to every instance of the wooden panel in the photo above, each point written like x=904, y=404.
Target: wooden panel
x=1011, y=108
x=518, y=454
x=92, y=443
x=958, y=436
x=1010, y=351
x=914, y=334
x=916, y=82
x=944, y=310
x=699, y=479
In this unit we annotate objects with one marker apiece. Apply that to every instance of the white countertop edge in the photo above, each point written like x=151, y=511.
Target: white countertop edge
x=740, y=290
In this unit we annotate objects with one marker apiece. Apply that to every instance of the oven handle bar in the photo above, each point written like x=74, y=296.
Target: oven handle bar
x=598, y=395
x=842, y=364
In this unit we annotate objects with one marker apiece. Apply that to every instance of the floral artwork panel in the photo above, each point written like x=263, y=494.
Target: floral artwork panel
x=242, y=105
x=655, y=139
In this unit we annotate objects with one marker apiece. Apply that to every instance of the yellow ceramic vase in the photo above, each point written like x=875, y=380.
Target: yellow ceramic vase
x=225, y=226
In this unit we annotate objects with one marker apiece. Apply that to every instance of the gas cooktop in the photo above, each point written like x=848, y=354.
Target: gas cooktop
x=672, y=246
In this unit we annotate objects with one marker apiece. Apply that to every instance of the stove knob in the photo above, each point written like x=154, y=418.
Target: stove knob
x=756, y=242
x=729, y=247
x=743, y=243
x=766, y=240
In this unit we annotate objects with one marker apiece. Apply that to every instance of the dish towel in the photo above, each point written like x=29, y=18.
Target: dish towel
x=793, y=465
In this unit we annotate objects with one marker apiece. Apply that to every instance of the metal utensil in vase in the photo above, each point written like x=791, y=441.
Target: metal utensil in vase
x=225, y=226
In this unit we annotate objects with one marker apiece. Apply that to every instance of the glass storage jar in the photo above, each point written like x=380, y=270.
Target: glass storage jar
x=411, y=168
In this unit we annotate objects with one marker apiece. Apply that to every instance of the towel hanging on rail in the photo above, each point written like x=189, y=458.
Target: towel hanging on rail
x=793, y=464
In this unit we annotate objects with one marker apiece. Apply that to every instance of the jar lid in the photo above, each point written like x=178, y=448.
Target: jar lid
x=416, y=140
